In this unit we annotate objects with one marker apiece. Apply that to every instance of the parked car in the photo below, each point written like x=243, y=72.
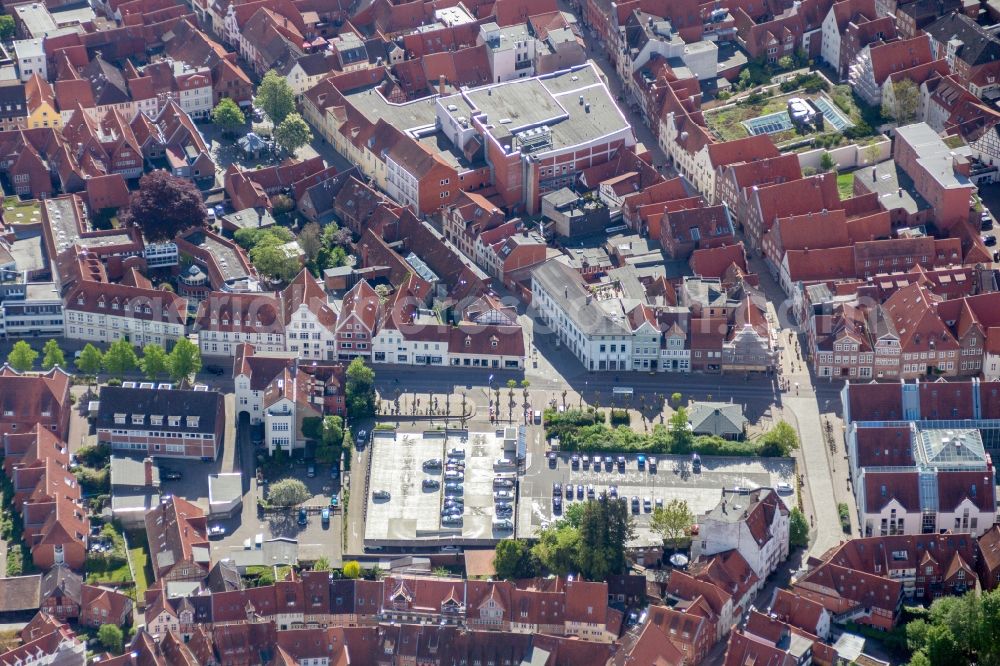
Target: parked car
x=613, y=491
x=456, y=453
x=216, y=532
x=311, y=471
x=557, y=504
x=575, y=460
x=334, y=472
x=553, y=458
x=381, y=495
x=431, y=484
x=433, y=463
x=453, y=474
x=652, y=464
x=503, y=495
x=556, y=489
x=647, y=505
x=569, y=491
x=783, y=488
x=641, y=459
x=503, y=524
x=170, y=474
x=590, y=491
x=451, y=519
x=453, y=487
x=990, y=240
x=303, y=517
x=325, y=516
x=451, y=549
x=579, y=491
x=504, y=462
x=501, y=482
x=334, y=502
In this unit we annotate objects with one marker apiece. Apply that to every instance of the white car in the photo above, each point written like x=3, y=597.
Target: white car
x=504, y=462
x=216, y=531
x=503, y=495
x=783, y=488
x=503, y=524
x=456, y=453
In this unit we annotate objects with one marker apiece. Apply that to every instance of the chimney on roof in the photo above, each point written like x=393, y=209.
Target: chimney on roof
x=441, y=85
x=900, y=192
x=874, y=174
x=147, y=467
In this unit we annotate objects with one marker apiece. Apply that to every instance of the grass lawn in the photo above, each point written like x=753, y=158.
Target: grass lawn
x=16, y=211
x=728, y=123
x=139, y=554
x=101, y=570
x=845, y=184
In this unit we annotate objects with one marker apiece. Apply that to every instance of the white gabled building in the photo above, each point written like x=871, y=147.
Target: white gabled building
x=309, y=319
x=755, y=523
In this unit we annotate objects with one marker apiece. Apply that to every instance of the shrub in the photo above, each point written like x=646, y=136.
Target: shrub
x=94, y=482
x=97, y=456
x=114, y=381
x=620, y=417
x=557, y=423
x=845, y=517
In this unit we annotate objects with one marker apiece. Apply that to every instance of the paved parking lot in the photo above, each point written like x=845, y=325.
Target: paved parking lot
x=412, y=511
x=674, y=478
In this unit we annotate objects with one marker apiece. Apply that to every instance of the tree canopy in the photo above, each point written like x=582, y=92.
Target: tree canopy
x=52, y=355
x=957, y=630
x=120, y=358
x=110, y=636
x=513, y=559
x=91, y=360
x=275, y=97
x=595, y=547
x=7, y=27
x=672, y=520
x=228, y=115
x=780, y=440
x=164, y=206
x=798, y=528
x=360, y=389
x=292, y=133
x=155, y=361
x=288, y=492
x=183, y=361
x=22, y=356
x=352, y=570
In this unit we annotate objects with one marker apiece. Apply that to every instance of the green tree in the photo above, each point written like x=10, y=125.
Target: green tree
x=671, y=521
x=120, y=358
x=333, y=431
x=919, y=658
x=513, y=560
x=183, y=361
x=228, y=116
x=322, y=564
x=573, y=515
x=681, y=437
x=250, y=237
x=6, y=27
x=941, y=646
x=780, y=440
x=606, y=527
x=675, y=400
x=271, y=260
x=360, y=389
x=22, y=356
x=352, y=570
x=826, y=162
x=52, y=355
x=798, y=528
x=904, y=102
x=786, y=62
x=91, y=360
x=275, y=97
x=110, y=636
x=292, y=133
x=154, y=361
x=289, y=492
x=558, y=548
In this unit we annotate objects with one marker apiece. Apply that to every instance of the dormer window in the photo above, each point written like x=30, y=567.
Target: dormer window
x=138, y=419
x=174, y=421
x=192, y=422
x=120, y=419
x=156, y=420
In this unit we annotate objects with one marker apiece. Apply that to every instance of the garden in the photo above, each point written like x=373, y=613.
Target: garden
x=587, y=430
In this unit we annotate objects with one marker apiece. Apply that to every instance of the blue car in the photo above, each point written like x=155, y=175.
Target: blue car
x=325, y=516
